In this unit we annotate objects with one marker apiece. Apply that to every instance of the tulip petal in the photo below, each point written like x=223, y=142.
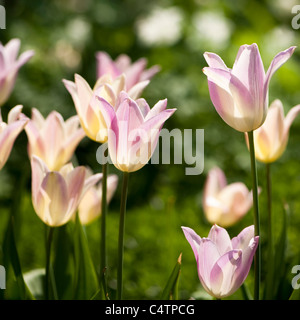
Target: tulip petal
x=290, y=117
x=248, y=254
x=220, y=237
x=214, y=61
x=7, y=139
x=159, y=107
x=56, y=194
x=106, y=65
x=208, y=255
x=38, y=172
x=276, y=63
x=193, y=239
x=136, y=91
x=223, y=271
x=242, y=240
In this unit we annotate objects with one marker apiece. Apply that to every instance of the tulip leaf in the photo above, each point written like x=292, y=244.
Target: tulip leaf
x=279, y=256
x=86, y=280
x=35, y=280
x=170, y=291
x=11, y=257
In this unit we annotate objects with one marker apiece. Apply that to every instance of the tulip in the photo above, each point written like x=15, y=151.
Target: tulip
x=53, y=139
x=225, y=204
x=9, y=66
x=9, y=132
x=90, y=206
x=57, y=194
x=134, y=129
x=271, y=138
x=240, y=94
x=86, y=105
x=134, y=72
x=223, y=264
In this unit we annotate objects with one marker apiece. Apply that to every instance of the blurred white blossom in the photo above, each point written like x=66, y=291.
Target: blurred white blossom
x=163, y=26
x=211, y=29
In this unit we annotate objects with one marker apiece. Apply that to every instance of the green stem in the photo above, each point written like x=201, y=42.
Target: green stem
x=48, y=255
x=270, y=257
x=103, y=224
x=121, y=235
x=269, y=193
x=257, y=257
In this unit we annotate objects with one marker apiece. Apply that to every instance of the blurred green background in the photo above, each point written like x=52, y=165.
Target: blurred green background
x=173, y=34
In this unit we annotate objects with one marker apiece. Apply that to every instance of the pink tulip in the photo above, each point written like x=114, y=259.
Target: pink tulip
x=134, y=72
x=90, y=115
x=89, y=207
x=57, y=194
x=53, y=139
x=240, y=94
x=225, y=204
x=223, y=264
x=134, y=129
x=9, y=66
x=271, y=138
x=9, y=132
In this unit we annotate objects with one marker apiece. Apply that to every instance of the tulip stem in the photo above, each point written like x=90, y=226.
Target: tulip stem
x=257, y=257
x=270, y=257
x=103, y=225
x=48, y=256
x=121, y=235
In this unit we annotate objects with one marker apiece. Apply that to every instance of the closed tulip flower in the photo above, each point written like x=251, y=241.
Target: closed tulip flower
x=240, y=94
x=89, y=208
x=134, y=129
x=57, y=194
x=225, y=204
x=53, y=139
x=271, y=138
x=223, y=264
x=90, y=115
x=10, y=65
x=9, y=132
x=134, y=72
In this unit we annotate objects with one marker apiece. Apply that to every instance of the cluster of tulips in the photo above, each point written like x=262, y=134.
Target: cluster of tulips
x=113, y=113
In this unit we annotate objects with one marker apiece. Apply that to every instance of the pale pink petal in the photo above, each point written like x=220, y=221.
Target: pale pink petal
x=223, y=271
x=276, y=63
x=7, y=139
x=214, y=61
x=55, y=189
x=194, y=240
x=106, y=65
x=220, y=237
x=242, y=271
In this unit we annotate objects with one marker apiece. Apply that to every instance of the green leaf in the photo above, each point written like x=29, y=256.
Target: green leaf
x=35, y=280
x=279, y=256
x=86, y=282
x=11, y=256
x=170, y=291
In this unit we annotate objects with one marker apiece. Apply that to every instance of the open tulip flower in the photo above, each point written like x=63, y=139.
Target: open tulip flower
x=57, y=194
x=271, y=138
x=134, y=129
x=225, y=204
x=9, y=132
x=90, y=205
x=53, y=139
x=134, y=72
x=90, y=115
x=10, y=65
x=223, y=264
x=240, y=94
